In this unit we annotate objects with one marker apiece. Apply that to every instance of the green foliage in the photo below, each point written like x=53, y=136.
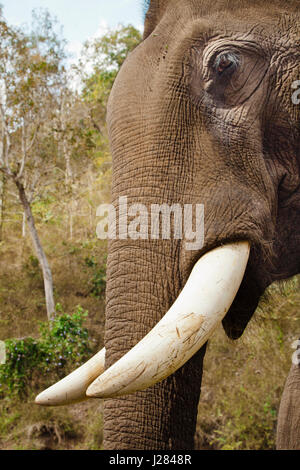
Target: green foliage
x=98, y=281
x=41, y=208
x=109, y=52
x=100, y=63
x=105, y=56
x=63, y=344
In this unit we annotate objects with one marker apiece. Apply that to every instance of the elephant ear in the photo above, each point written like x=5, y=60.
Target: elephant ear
x=153, y=9
x=243, y=307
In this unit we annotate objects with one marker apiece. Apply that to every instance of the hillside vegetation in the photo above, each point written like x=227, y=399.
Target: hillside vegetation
x=55, y=170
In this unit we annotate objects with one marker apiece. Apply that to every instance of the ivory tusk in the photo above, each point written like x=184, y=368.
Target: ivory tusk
x=188, y=324
x=72, y=389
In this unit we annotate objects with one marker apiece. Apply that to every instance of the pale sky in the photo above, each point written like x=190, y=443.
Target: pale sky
x=81, y=19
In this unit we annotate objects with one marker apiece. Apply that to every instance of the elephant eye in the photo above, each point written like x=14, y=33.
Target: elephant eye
x=226, y=63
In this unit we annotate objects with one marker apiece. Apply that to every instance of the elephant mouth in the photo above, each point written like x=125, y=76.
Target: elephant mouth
x=200, y=307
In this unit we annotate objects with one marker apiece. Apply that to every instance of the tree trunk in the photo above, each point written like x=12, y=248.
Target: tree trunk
x=71, y=218
x=47, y=275
x=69, y=172
x=2, y=203
x=24, y=225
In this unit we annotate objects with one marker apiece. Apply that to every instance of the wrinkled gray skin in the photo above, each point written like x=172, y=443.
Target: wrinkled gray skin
x=190, y=124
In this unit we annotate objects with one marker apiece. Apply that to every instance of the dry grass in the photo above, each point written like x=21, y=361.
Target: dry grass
x=24, y=426
x=243, y=380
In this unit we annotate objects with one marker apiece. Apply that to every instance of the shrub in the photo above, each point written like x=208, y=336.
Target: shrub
x=62, y=345
x=98, y=281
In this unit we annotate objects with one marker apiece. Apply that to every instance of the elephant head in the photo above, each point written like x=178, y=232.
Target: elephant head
x=203, y=112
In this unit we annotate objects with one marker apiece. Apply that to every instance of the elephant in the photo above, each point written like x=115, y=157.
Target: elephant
x=204, y=112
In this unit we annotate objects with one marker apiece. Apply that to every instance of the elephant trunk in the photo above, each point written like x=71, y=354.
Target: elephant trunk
x=142, y=286
x=162, y=417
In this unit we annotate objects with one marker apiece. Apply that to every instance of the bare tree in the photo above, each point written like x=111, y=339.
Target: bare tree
x=2, y=203
x=30, y=77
